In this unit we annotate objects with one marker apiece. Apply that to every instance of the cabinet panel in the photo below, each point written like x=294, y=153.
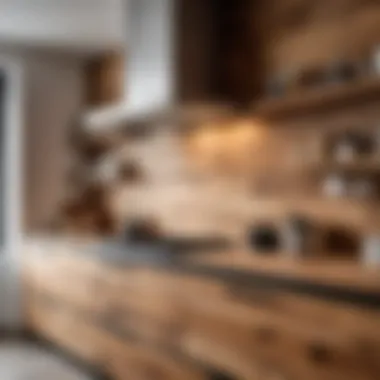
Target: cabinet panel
x=104, y=79
x=249, y=331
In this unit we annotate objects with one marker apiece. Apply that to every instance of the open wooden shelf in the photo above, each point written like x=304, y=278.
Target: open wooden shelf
x=327, y=98
x=362, y=166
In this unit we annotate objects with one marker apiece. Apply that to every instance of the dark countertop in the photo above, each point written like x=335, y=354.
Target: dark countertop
x=119, y=253
x=351, y=284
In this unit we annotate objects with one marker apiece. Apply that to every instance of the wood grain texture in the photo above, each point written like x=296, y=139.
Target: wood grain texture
x=295, y=31
x=105, y=79
x=225, y=175
x=333, y=98
x=223, y=178
x=135, y=319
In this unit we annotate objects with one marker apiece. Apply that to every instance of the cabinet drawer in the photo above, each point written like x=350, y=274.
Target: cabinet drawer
x=231, y=335
x=142, y=363
x=353, y=321
x=67, y=330
x=68, y=280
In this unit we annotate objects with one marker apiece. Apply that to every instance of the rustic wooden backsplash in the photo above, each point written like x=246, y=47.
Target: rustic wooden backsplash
x=224, y=176
x=300, y=33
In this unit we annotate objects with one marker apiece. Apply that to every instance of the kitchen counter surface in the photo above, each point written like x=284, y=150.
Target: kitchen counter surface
x=338, y=280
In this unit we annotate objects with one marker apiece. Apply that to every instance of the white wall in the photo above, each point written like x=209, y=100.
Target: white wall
x=54, y=102
x=75, y=23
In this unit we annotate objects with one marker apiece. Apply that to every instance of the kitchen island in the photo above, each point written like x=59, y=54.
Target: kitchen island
x=218, y=315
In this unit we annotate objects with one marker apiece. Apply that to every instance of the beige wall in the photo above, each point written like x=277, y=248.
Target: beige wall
x=44, y=95
x=54, y=96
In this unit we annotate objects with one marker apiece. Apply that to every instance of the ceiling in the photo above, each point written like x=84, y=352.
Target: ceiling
x=89, y=25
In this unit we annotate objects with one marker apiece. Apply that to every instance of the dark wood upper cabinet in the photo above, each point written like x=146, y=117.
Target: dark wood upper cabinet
x=216, y=51
x=105, y=79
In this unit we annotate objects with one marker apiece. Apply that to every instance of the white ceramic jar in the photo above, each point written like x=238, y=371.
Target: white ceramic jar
x=371, y=250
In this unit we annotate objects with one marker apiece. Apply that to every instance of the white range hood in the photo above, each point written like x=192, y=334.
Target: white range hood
x=169, y=65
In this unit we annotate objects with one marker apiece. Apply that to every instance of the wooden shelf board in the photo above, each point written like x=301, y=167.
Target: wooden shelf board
x=357, y=166
x=321, y=99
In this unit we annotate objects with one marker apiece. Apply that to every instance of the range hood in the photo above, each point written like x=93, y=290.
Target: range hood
x=174, y=65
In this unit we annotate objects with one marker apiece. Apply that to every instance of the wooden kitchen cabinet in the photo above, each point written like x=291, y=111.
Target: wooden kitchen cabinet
x=147, y=322
x=105, y=79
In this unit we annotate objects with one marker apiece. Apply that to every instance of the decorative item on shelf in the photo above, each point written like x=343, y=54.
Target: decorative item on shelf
x=88, y=147
x=351, y=145
x=264, y=238
x=311, y=78
x=341, y=71
x=334, y=186
x=282, y=83
x=376, y=143
x=349, y=186
x=351, y=167
x=276, y=87
x=300, y=236
x=340, y=241
x=142, y=231
x=104, y=222
x=370, y=254
x=78, y=218
x=130, y=172
x=362, y=188
x=106, y=170
x=136, y=130
x=92, y=151
x=374, y=61
x=94, y=196
x=87, y=212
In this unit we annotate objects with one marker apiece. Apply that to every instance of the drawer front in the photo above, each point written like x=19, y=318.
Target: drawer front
x=66, y=330
x=293, y=351
x=67, y=279
x=249, y=331
x=141, y=363
x=300, y=337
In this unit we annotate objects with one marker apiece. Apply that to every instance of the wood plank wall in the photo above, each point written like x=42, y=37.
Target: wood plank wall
x=302, y=33
x=226, y=175
x=221, y=178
